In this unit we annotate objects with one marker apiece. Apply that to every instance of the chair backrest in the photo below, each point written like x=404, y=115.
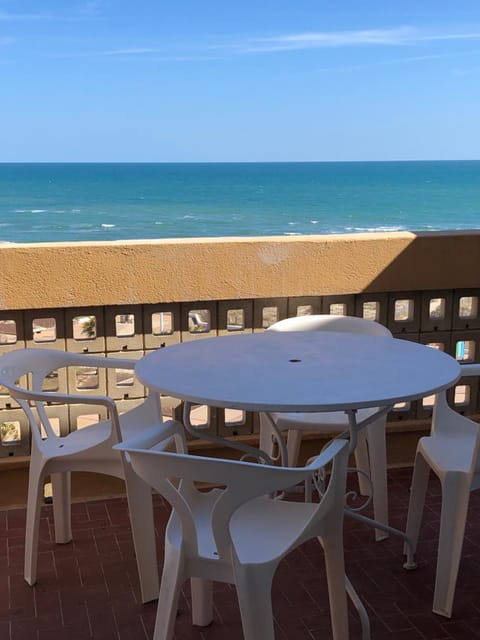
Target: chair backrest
x=37, y=364
x=243, y=481
x=447, y=422
x=345, y=324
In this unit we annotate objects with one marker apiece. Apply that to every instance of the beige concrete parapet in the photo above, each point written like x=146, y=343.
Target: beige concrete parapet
x=52, y=275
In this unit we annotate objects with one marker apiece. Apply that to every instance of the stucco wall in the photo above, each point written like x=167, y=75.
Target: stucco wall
x=150, y=271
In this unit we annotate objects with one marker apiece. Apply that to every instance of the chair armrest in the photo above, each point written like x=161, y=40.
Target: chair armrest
x=327, y=455
x=87, y=360
x=155, y=437
x=470, y=370
x=63, y=398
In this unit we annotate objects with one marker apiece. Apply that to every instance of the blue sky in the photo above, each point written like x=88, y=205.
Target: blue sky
x=245, y=80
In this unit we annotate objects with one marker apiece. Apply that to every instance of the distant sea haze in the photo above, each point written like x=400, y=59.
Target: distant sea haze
x=120, y=201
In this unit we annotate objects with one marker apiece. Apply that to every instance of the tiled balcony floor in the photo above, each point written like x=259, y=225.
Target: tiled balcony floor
x=89, y=588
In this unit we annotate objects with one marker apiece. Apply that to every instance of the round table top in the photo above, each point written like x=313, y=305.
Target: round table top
x=298, y=371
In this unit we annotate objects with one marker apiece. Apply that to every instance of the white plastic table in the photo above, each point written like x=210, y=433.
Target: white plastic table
x=298, y=371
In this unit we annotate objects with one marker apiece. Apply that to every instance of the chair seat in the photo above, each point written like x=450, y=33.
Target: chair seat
x=99, y=432
x=261, y=530
x=265, y=528
x=318, y=421
x=449, y=451
x=78, y=440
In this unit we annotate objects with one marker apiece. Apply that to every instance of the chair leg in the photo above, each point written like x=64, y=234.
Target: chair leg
x=455, y=499
x=34, y=505
x=336, y=579
x=418, y=491
x=140, y=506
x=294, y=440
x=267, y=437
x=377, y=451
x=254, y=591
x=360, y=607
x=61, y=494
x=172, y=580
x=202, y=601
x=362, y=463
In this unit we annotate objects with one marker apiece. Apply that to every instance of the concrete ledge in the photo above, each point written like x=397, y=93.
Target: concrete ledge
x=152, y=271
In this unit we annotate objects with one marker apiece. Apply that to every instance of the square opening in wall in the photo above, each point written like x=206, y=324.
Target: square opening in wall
x=84, y=327
x=162, y=323
x=44, y=330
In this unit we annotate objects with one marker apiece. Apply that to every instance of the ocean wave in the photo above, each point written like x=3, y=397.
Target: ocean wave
x=30, y=211
x=380, y=228
x=107, y=226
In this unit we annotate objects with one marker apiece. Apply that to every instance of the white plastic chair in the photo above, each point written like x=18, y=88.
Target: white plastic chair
x=86, y=449
x=452, y=451
x=370, y=452
x=238, y=534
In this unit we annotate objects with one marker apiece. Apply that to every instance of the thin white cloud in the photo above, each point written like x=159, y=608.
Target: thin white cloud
x=399, y=61
x=392, y=37
x=21, y=17
x=316, y=40
x=133, y=51
x=158, y=54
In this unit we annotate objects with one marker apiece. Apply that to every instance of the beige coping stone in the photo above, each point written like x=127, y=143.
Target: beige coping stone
x=52, y=275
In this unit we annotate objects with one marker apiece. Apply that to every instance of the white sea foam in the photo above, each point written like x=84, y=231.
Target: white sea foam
x=38, y=211
x=378, y=228
x=107, y=226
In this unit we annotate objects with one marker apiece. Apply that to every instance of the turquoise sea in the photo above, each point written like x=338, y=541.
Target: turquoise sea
x=75, y=202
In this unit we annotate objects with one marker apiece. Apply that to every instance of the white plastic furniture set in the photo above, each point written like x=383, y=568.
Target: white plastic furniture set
x=202, y=375
x=276, y=372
